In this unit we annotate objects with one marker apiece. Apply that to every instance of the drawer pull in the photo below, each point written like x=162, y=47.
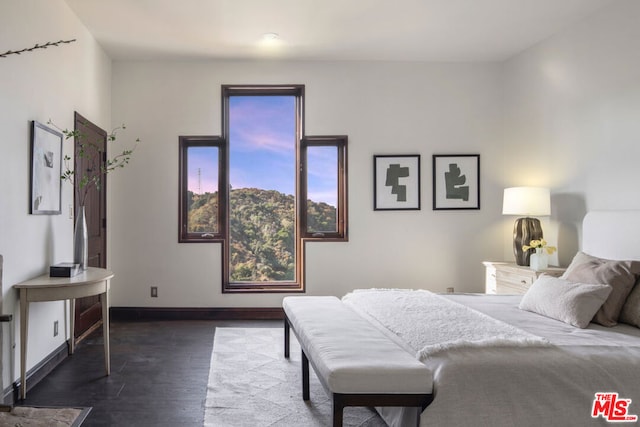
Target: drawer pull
x=524, y=282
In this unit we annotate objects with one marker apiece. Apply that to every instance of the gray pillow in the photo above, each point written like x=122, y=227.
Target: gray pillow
x=631, y=309
x=572, y=303
x=620, y=275
x=579, y=258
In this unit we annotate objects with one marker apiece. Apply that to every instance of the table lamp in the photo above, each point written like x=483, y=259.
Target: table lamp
x=526, y=202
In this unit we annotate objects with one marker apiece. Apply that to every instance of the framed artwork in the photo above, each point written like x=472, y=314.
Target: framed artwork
x=46, y=169
x=396, y=182
x=456, y=181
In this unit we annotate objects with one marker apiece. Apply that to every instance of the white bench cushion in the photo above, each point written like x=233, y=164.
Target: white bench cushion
x=349, y=353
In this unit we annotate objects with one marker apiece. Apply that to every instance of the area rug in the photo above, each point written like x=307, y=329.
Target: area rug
x=28, y=416
x=251, y=384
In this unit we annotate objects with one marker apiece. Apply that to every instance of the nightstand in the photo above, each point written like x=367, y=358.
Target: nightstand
x=510, y=278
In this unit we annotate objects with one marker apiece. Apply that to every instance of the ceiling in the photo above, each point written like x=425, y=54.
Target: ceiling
x=385, y=30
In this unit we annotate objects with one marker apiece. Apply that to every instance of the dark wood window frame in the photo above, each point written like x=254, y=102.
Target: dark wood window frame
x=265, y=90
x=184, y=236
x=302, y=235
x=340, y=143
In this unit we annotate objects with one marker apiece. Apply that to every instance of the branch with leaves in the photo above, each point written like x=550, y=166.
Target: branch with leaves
x=93, y=155
x=37, y=46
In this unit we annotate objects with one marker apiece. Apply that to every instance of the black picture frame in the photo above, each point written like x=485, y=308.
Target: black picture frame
x=46, y=170
x=456, y=181
x=396, y=182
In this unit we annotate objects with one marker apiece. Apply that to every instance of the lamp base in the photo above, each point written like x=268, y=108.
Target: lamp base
x=524, y=231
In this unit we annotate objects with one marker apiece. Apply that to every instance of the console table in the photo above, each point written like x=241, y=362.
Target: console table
x=93, y=281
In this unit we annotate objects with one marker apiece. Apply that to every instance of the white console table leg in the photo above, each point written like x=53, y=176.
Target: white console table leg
x=24, y=329
x=104, y=298
x=72, y=325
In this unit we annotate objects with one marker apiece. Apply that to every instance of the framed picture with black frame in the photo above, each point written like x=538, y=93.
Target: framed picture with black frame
x=396, y=182
x=46, y=170
x=456, y=181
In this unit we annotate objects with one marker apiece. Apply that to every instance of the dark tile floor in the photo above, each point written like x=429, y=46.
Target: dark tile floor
x=159, y=373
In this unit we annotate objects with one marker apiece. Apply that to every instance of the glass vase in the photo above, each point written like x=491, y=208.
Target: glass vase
x=539, y=260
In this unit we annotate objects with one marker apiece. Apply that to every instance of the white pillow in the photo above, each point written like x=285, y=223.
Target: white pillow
x=572, y=303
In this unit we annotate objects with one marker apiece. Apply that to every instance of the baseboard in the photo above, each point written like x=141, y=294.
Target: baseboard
x=36, y=374
x=221, y=313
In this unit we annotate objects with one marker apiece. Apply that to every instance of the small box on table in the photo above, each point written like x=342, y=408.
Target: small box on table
x=64, y=269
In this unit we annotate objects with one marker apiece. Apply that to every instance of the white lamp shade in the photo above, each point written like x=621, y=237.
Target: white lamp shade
x=526, y=201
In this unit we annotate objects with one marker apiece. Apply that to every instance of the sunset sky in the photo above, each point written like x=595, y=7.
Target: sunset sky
x=262, y=152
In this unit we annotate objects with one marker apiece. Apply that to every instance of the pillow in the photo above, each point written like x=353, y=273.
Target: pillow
x=572, y=303
x=631, y=309
x=579, y=258
x=620, y=275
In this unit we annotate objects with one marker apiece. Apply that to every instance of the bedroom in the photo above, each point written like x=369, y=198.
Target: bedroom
x=558, y=114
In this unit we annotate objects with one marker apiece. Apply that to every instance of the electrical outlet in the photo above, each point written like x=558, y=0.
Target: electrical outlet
x=70, y=211
x=154, y=292
x=450, y=290
x=55, y=328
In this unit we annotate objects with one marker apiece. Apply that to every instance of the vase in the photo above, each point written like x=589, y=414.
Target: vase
x=539, y=260
x=80, y=238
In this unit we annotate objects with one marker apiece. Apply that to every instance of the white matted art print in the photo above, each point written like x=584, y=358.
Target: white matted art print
x=46, y=170
x=456, y=181
x=396, y=182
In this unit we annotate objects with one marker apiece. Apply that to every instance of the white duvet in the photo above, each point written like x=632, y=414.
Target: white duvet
x=543, y=373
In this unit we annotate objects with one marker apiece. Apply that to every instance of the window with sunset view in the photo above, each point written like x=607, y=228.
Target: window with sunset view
x=263, y=135
x=263, y=189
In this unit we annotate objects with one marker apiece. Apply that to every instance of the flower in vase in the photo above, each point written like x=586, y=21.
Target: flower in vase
x=539, y=244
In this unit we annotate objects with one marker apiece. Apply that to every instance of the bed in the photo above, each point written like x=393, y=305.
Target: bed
x=538, y=360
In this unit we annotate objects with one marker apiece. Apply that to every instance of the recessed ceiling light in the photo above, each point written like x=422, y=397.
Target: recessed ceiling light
x=269, y=37
x=270, y=42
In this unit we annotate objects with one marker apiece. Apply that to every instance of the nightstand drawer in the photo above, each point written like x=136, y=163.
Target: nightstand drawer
x=515, y=279
x=506, y=287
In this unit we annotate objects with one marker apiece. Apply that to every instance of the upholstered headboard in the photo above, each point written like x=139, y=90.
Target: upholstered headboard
x=612, y=234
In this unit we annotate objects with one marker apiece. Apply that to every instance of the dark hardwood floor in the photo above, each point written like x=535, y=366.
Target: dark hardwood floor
x=159, y=373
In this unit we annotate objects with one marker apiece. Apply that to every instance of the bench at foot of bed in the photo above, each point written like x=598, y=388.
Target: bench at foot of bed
x=355, y=362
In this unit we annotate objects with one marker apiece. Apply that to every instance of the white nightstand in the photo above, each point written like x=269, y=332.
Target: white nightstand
x=510, y=278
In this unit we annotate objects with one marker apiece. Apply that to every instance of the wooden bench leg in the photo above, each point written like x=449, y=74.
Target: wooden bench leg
x=287, y=335
x=305, y=377
x=337, y=410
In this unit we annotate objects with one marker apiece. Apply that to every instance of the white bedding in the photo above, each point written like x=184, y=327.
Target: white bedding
x=505, y=308
x=431, y=324
x=537, y=385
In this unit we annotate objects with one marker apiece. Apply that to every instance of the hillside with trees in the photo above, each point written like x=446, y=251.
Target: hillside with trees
x=262, y=228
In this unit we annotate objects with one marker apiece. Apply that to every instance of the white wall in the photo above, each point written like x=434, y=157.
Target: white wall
x=40, y=85
x=572, y=109
x=384, y=108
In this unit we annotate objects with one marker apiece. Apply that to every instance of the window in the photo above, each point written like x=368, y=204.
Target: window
x=262, y=127
x=274, y=190
x=324, y=187
x=202, y=204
